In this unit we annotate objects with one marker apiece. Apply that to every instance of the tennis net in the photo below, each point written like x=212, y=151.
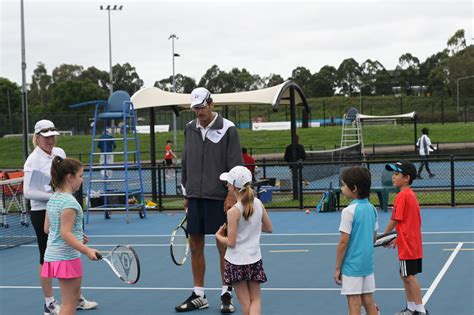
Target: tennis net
x=328, y=162
x=15, y=226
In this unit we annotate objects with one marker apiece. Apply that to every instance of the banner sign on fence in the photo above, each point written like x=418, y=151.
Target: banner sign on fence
x=279, y=125
x=158, y=128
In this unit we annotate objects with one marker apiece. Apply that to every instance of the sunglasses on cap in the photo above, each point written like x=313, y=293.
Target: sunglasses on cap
x=47, y=129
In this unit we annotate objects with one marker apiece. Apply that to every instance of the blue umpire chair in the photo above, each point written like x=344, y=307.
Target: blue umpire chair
x=122, y=192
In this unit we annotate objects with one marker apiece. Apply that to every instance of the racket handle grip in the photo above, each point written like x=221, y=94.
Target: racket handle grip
x=98, y=255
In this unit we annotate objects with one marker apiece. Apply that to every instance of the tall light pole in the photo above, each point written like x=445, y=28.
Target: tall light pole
x=24, y=91
x=108, y=9
x=457, y=90
x=173, y=37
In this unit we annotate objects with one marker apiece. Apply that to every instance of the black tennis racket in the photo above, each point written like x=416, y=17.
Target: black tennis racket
x=124, y=262
x=179, y=243
x=385, y=239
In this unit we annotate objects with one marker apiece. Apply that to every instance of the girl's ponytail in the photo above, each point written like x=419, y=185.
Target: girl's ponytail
x=247, y=200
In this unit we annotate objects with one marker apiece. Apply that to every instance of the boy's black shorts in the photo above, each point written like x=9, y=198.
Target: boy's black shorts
x=410, y=267
x=205, y=216
x=169, y=162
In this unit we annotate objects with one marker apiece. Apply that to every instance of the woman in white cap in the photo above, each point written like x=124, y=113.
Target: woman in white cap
x=37, y=189
x=243, y=266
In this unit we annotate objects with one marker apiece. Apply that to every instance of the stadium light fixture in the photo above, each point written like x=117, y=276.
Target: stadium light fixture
x=173, y=54
x=109, y=8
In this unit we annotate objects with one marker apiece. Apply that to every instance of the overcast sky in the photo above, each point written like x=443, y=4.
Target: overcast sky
x=263, y=37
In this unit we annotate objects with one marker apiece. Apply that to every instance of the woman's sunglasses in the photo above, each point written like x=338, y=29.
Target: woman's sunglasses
x=47, y=129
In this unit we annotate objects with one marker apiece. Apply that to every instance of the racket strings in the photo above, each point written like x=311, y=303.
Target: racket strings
x=125, y=264
x=179, y=246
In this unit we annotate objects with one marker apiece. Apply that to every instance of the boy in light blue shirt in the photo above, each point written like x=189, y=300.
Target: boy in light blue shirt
x=355, y=251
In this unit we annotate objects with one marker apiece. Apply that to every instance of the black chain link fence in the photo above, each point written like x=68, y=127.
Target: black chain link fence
x=451, y=185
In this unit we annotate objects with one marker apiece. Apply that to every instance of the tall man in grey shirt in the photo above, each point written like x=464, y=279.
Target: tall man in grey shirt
x=211, y=147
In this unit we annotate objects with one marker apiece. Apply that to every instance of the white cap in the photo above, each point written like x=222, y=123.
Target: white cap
x=199, y=96
x=239, y=176
x=46, y=128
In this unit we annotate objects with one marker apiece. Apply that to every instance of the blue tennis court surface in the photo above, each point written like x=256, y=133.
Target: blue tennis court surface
x=298, y=259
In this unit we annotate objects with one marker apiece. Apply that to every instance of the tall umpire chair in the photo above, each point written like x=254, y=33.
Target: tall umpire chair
x=123, y=192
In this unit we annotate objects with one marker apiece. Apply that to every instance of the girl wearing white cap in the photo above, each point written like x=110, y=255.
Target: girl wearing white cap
x=37, y=189
x=245, y=222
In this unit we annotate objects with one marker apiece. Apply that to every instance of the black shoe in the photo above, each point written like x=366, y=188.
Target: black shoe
x=194, y=302
x=405, y=311
x=432, y=175
x=419, y=177
x=226, y=303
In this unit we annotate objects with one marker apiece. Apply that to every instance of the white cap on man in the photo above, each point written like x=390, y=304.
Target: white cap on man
x=45, y=128
x=199, y=97
x=238, y=176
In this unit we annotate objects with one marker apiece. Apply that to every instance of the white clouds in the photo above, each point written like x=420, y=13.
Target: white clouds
x=264, y=37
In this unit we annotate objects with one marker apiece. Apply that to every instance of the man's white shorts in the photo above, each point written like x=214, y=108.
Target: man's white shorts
x=357, y=285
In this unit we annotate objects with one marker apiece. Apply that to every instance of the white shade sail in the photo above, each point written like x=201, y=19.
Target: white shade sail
x=279, y=94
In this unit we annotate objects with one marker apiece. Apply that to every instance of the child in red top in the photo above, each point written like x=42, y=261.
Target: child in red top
x=406, y=219
x=169, y=155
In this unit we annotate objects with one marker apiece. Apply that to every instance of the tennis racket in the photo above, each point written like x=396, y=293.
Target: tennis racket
x=124, y=262
x=385, y=239
x=179, y=243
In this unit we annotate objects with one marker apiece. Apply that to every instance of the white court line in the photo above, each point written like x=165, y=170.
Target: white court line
x=440, y=275
x=265, y=235
x=290, y=251
x=187, y=289
x=461, y=249
x=263, y=244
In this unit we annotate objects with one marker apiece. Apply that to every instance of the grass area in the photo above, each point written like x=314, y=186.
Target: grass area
x=258, y=142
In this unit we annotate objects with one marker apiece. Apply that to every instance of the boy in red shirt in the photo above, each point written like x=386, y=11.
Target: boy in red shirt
x=169, y=155
x=406, y=219
x=249, y=162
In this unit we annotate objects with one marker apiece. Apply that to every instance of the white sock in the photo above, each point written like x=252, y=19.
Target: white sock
x=199, y=291
x=49, y=300
x=420, y=308
x=225, y=288
x=411, y=306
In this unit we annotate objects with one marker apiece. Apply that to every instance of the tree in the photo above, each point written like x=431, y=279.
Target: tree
x=241, y=80
x=214, y=80
x=383, y=83
x=10, y=104
x=431, y=72
x=323, y=83
x=10, y=92
x=67, y=93
x=457, y=42
x=66, y=72
x=369, y=70
x=348, y=75
x=183, y=84
x=126, y=78
x=272, y=80
x=301, y=76
x=407, y=73
x=459, y=66
x=96, y=76
x=40, y=83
